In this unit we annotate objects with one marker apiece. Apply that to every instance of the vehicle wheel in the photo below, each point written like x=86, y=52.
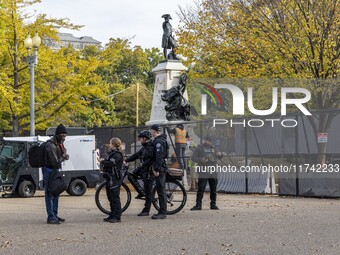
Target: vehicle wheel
x=175, y=194
x=103, y=203
x=77, y=188
x=26, y=189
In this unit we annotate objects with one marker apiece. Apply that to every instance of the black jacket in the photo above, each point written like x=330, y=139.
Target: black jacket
x=145, y=155
x=114, y=162
x=161, y=151
x=204, y=152
x=54, y=152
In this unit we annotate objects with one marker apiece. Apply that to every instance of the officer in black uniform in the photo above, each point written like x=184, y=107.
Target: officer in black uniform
x=161, y=149
x=145, y=155
x=112, y=167
x=205, y=155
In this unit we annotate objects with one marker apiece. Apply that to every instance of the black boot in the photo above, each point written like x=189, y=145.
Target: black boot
x=140, y=196
x=213, y=206
x=108, y=218
x=143, y=213
x=196, y=208
x=158, y=216
x=61, y=219
x=114, y=220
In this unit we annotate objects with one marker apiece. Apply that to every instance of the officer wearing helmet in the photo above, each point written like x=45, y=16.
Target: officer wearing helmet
x=145, y=155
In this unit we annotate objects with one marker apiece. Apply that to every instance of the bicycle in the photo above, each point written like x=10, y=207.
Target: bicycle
x=176, y=194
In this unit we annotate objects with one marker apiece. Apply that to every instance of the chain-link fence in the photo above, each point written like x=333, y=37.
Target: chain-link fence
x=275, y=158
x=287, y=155
x=274, y=154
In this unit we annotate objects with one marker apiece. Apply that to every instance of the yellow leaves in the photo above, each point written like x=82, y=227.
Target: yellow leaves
x=280, y=39
x=70, y=86
x=64, y=82
x=269, y=39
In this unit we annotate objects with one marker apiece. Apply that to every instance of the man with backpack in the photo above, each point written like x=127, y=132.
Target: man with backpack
x=55, y=154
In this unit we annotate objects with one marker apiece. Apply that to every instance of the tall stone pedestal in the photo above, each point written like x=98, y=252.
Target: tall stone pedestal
x=167, y=75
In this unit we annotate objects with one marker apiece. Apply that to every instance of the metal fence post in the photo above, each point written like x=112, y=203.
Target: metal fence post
x=246, y=154
x=297, y=181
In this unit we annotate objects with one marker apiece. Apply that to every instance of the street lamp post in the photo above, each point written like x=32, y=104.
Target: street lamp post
x=32, y=61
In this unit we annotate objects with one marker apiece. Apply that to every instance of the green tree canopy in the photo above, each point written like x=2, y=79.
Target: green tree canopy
x=247, y=38
x=65, y=82
x=76, y=88
x=127, y=65
x=268, y=39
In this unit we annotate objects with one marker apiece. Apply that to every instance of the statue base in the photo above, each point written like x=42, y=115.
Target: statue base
x=167, y=75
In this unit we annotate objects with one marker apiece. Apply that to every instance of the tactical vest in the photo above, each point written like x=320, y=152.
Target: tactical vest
x=164, y=143
x=180, y=136
x=210, y=154
x=147, y=152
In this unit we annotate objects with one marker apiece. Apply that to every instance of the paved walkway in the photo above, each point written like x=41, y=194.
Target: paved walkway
x=245, y=224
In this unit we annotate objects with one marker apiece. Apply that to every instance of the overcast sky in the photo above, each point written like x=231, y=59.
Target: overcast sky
x=139, y=20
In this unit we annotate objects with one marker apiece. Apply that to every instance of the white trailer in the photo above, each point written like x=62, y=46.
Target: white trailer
x=81, y=171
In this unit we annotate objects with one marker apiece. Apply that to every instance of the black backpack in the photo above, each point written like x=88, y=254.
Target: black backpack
x=37, y=155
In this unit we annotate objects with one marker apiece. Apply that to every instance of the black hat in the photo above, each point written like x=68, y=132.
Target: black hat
x=208, y=138
x=166, y=16
x=61, y=129
x=156, y=127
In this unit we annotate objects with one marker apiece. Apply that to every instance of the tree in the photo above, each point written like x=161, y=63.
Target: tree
x=247, y=38
x=125, y=65
x=270, y=39
x=126, y=105
x=65, y=84
x=122, y=68
x=76, y=92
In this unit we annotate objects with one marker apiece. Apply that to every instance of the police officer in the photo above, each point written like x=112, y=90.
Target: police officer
x=161, y=149
x=205, y=155
x=112, y=166
x=145, y=155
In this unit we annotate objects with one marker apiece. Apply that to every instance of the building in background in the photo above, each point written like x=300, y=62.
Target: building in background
x=66, y=39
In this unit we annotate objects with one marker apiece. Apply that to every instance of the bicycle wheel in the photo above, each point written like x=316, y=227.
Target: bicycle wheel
x=103, y=203
x=176, y=197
